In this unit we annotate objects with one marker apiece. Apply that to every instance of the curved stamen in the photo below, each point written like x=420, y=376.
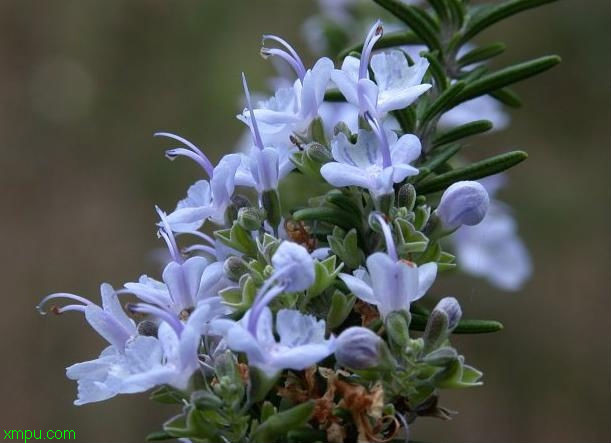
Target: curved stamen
x=375, y=33
x=171, y=154
x=162, y=314
x=201, y=235
x=390, y=243
x=203, y=248
x=254, y=128
x=381, y=135
x=74, y=297
x=287, y=46
x=205, y=162
x=165, y=232
x=269, y=52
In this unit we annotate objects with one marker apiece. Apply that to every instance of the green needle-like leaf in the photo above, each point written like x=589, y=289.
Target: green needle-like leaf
x=494, y=14
x=507, y=76
x=407, y=14
x=443, y=101
x=334, y=216
x=159, y=436
x=507, y=97
x=462, y=131
x=465, y=326
x=481, y=54
x=277, y=426
x=484, y=168
x=447, y=153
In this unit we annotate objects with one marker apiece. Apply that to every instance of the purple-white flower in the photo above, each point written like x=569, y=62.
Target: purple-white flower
x=291, y=109
x=185, y=284
x=302, y=339
x=375, y=162
x=389, y=283
x=180, y=352
x=205, y=200
x=397, y=85
x=100, y=379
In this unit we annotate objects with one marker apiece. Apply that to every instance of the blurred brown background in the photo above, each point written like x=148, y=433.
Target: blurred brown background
x=84, y=84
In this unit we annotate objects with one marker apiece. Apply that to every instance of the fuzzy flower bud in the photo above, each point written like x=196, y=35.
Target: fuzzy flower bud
x=463, y=203
x=235, y=267
x=250, y=218
x=441, y=323
x=358, y=348
x=450, y=306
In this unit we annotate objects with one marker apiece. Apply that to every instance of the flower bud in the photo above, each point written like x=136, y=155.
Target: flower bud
x=250, y=218
x=397, y=327
x=358, y=348
x=407, y=196
x=450, y=306
x=318, y=153
x=463, y=203
x=235, y=267
x=442, y=321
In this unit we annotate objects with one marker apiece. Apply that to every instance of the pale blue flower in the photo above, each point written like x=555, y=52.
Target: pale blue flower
x=180, y=344
x=397, y=85
x=259, y=169
x=302, y=340
x=291, y=109
x=389, y=283
x=185, y=283
x=377, y=160
x=110, y=320
x=463, y=203
x=101, y=378
x=205, y=200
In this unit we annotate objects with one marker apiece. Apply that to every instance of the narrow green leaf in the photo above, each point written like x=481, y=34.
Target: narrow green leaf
x=507, y=97
x=440, y=8
x=437, y=71
x=159, y=436
x=406, y=118
x=440, y=105
x=507, y=76
x=447, y=153
x=462, y=131
x=277, y=426
x=389, y=40
x=329, y=215
x=496, y=13
x=457, y=12
x=414, y=20
x=465, y=326
x=484, y=168
x=480, y=54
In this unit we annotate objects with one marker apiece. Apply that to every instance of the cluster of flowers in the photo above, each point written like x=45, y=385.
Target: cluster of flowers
x=277, y=290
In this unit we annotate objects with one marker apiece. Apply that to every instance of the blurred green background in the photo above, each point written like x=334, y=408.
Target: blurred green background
x=84, y=84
